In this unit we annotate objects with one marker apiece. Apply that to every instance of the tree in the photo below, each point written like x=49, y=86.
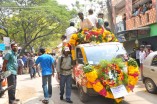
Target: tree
x=30, y=24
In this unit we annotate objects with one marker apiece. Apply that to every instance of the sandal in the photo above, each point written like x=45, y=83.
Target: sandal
x=45, y=101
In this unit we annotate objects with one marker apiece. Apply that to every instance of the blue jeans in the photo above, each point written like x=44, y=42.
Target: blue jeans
x=65, y=79
x=47, y=86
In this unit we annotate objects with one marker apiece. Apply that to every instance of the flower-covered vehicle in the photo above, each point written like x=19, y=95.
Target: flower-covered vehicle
x=102, y=66
x=102, y=69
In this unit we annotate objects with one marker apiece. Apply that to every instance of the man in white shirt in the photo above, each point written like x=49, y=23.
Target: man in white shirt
x=70, y=30
x=92, y=18
x=85, y=23
x=142, y=56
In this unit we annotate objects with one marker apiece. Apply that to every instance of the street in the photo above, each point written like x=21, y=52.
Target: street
x=30, y=92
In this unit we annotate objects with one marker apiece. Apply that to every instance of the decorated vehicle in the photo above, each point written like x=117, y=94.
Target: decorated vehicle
x=101, y=65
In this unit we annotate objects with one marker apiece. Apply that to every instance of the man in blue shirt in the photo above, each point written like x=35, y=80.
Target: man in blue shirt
x=10, y=64
x=46, y=62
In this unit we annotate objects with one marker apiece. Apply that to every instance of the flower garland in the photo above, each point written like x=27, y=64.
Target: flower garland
x=98, y=35
x=99, y=78
x=87, y=36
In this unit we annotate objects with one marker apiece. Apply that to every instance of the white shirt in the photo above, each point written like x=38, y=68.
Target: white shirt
x=142, y=56
x=93, y=19
x=69, y=31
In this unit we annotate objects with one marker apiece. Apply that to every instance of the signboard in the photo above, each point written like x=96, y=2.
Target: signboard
x=2, y=47
x=6, y=41
x=119, y=91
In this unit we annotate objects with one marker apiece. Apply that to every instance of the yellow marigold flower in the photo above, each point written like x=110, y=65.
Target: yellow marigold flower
x=118, y=100
x=110, y=95
x=107, y=32
x=72, y=42
x=98, y=87
x=74, y=36
x=92, y=76
x=88, y=85
x=73, y=54
x=128, y=89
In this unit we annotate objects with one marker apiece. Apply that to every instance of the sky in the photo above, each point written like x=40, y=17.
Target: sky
x=69, y=2
x=66, y=2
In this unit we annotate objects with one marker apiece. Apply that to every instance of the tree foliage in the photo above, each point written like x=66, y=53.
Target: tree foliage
x=41, y=25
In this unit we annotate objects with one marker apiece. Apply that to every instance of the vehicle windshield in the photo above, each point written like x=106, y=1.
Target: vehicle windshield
x=103, y=52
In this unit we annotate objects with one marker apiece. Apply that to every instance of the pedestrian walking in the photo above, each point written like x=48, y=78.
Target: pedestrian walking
x=31, y=65
x=38, y=67
x=24, y=59
x=10, y=64
x=46, y=62
x=64, y=67
x=20, y=65
x=142, y=56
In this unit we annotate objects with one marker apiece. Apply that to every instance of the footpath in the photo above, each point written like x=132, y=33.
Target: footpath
x=29, y=91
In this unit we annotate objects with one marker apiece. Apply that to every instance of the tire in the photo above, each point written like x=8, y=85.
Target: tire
x=82, y=95
x=150, y=86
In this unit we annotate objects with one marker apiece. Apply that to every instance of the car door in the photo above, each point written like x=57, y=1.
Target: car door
x=153, y=69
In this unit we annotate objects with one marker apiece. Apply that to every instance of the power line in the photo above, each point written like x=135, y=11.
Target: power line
x=9, y=7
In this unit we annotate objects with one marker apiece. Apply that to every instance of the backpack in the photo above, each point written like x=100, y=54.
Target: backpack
x=62, y=61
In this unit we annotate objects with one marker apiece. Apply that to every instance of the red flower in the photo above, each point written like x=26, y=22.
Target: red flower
x=103, y=92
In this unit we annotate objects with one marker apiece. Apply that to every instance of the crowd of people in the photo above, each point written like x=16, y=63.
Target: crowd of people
x=140, y=54
x=17, y=64
x=32, y=63
x=26, y=65
x=141, y=9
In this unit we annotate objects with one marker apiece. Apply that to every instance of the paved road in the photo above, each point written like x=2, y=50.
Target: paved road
x=30, y=92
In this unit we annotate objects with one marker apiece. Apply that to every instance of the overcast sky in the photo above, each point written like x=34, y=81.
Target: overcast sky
x=69, y=2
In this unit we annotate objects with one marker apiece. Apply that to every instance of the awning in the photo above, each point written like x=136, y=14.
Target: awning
x=137, y=29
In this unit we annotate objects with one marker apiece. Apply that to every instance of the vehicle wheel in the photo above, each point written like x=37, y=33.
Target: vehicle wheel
x=150, y=86
x=83, y=96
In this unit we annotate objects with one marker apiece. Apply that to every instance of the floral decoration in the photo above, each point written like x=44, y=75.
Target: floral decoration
x=99, y=77
x=95, y=35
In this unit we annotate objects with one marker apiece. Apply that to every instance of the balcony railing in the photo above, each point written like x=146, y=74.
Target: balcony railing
x=148, y=18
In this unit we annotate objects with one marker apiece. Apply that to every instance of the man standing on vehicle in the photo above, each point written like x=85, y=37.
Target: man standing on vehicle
x=70, y=30
x=10, y=64
x=92, y=18
x=64, y=67
x=46, y=62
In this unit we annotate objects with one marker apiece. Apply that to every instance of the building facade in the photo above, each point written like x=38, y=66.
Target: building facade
x=136, y=21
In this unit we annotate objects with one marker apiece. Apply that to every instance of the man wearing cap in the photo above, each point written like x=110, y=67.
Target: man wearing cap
x=46, y=62
x=64, y=67
x=10, y=64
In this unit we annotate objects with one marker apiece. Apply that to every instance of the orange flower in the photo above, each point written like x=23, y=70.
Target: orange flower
x=110, y=95
x=89, y=85
x=98, y=86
